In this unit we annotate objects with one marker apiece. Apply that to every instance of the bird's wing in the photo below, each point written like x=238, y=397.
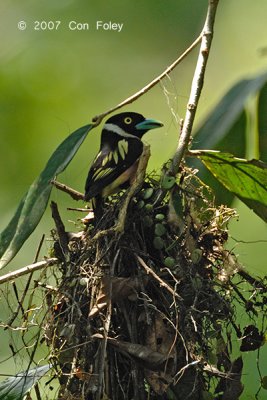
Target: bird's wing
x=110, y=164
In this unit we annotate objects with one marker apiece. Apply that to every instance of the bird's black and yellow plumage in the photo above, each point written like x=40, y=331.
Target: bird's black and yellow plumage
x=121, y=147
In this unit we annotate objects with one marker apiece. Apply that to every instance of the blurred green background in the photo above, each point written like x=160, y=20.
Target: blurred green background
x=53, y=82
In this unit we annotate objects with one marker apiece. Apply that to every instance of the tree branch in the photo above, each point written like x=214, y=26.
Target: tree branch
x=98, y=118
x=197, y=85
x=66, y=189
x=28, y=269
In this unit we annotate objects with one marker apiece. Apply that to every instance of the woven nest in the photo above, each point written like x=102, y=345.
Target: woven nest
x=147, y=313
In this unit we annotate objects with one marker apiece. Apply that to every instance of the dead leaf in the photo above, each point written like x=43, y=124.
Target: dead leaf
x=116, y=289
x=232, y=386
x=161, y=338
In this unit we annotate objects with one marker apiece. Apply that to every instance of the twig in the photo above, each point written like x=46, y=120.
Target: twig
x=98, y=118
x=62, y=234
x=20, y=305
x=40, y=245
x=47, y=287
x=37, y=392
x=156, y=277
x=27, y=270
x=256, y=283
x=85, y=210
x=197, y=85
x=66, y=189
x=26, y=288
x=138, y=181
x=106, y=328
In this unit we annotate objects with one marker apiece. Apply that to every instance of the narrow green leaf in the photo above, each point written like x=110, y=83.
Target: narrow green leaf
x=264, y=382
x=262, y=123
x=234, y=139
x=16, y=387
x=225, y=129
x=246, y=179
x=33, y=204
x=9, y=232
x=215, y=129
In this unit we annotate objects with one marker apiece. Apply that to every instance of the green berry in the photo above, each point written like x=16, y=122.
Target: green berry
x=147, y=193
x=169, y=262
x=149, y=207
x=148, y=221
x=167, y=182
x=160, y=230
x=158, y=243
x=160, y=217
x=140, y=204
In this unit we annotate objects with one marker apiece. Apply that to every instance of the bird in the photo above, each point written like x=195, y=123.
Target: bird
x=116, y=163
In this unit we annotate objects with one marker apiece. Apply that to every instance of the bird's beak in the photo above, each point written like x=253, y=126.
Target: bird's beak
x=148, y=124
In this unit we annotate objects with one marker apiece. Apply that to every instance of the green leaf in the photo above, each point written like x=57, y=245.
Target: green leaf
x=16, y=387
x=246, y=179
x=33, y=204
x=215, y=129
x=234, y=139
x=262, y=123
x=264, y=382
x=225, y=128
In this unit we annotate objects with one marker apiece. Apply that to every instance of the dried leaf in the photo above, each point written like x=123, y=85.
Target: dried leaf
x=161, y=338
x=252, y=339
x=115, y=289
x=232, y=386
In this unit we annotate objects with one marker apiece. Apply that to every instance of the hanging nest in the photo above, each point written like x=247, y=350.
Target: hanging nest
x=148, y=312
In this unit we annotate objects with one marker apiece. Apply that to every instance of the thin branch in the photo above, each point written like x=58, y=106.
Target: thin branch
x=27, y=270
x=136, y=185
x=84, y=210
x=157, y=278
x=66, y=189
x=197, y=85
x=62, y=234
x=26, y=288
x=256, y=283
x=106, y=328
x=98, y=118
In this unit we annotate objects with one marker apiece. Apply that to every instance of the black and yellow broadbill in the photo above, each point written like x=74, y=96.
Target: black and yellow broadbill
x=115, y=165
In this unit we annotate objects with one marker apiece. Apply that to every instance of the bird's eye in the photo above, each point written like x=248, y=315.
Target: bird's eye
x=128, y=120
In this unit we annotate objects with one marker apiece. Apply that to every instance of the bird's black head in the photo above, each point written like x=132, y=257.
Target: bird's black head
x=129, y=124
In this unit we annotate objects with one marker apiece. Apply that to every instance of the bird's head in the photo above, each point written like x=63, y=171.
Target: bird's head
x=129, y=124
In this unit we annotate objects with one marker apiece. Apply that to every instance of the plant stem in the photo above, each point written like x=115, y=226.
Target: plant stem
x=98, y=118
x=197, y=85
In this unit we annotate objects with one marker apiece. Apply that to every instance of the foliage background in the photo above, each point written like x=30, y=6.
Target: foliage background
x=53, y=82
